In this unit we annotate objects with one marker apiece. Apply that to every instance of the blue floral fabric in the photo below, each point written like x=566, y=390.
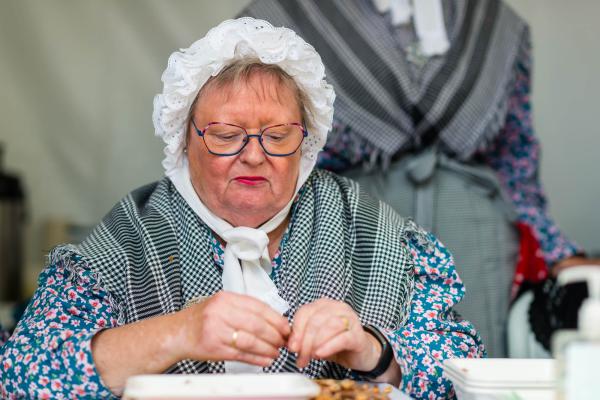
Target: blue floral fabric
x=515, y=156
x=49, y=354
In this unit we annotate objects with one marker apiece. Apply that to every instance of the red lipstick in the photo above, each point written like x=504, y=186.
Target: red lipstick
x=250, y=180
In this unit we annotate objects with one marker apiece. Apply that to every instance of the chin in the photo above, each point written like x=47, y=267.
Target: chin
x=247, y=214
x=251, y=221
x=249, y=197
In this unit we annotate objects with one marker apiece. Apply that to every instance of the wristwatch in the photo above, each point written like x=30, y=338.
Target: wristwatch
x=384, y=359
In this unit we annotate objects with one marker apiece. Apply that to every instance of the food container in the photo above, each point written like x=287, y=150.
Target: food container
x=502, y=378
x=221, y=387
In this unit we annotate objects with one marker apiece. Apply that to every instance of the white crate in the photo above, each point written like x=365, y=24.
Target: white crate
x=502, y=378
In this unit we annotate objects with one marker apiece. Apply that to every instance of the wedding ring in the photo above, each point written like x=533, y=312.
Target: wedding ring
x=346, y=322
x=234, y=338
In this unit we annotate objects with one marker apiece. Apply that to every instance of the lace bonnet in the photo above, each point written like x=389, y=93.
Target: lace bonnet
x=189, y=69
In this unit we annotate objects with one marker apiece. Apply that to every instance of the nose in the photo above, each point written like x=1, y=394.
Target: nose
x=253, y=152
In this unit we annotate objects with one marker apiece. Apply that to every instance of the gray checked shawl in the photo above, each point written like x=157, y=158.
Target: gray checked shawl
x=152, y=253
x=460, y=98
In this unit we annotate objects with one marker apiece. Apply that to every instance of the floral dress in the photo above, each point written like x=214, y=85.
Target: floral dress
x=49, y=354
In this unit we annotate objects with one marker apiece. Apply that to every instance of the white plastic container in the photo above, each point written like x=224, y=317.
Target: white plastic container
x=502, y=378
x=221, y=387
x=577, y=351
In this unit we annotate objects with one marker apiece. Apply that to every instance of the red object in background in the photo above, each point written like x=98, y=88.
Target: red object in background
x=531, y=266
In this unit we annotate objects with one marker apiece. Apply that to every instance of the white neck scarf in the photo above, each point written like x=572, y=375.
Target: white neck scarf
x=248, y=245
x=428, y=18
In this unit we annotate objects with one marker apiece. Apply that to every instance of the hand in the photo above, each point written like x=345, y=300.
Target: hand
x=574, y=261
x=232, y=327
x=331, y=330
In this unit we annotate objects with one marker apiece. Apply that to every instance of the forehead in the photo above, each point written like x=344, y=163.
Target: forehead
x=264, y=85
x=259, y=95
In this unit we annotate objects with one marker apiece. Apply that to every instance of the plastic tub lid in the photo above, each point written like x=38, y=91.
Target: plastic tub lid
x=501, y=373
x=221, y=386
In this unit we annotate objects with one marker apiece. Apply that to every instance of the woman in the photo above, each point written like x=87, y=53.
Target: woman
x=243, y=258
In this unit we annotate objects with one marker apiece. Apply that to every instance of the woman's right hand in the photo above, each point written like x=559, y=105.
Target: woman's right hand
x=232, y=327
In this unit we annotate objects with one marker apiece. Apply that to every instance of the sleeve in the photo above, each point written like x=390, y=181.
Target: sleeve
x=515, y=155
x=49, y=354
x=433, y=332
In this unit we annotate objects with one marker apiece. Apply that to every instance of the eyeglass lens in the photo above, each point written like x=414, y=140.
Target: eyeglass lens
x=277, y=140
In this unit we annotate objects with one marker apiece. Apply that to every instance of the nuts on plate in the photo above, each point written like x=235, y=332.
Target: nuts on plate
x=347, y=389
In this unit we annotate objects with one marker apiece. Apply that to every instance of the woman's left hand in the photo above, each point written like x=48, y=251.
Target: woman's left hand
x=330, y=329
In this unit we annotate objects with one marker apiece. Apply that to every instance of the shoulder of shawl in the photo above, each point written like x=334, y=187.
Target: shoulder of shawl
x=128, y=232
x=145, y=211
x=325, y=182
x=151, y=197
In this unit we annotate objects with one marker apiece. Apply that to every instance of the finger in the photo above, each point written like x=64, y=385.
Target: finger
x=334, y=326
x=300, y=319
x=312, y=331
x=232, y=354
x=343, y=341
x=257, y=307
x=246, y=342
x=303, y=315
x=305, y=352
x=228, y=302
x=256, y=325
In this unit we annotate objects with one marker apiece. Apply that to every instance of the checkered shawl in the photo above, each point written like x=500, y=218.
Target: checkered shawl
x=152, y=253
x=460, y=98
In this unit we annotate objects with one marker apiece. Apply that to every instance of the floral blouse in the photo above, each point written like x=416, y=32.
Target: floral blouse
x=514, y=155
x=49, y=354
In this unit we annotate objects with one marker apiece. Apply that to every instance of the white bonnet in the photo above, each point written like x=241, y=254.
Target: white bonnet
x=189, y=69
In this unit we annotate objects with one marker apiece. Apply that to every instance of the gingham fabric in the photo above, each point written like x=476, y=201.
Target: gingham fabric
x=153, y=254
x=460, y=98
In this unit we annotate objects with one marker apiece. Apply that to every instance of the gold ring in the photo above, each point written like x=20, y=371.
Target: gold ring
x=346, y=322
x=234, y=338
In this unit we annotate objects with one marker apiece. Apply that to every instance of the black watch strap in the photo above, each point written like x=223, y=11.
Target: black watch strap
x=384, y=360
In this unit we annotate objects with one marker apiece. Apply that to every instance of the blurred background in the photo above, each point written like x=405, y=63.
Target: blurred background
x=78, y=79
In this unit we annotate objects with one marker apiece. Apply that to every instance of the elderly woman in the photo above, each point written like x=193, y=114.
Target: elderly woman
x=243, y=258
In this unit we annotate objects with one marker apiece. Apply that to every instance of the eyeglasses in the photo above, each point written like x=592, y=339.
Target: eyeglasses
x=224, y=139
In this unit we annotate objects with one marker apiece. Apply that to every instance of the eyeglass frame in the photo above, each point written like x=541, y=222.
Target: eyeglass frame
x=201, y=132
